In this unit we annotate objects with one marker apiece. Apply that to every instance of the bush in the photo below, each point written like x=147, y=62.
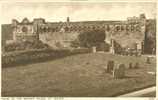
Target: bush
x=25, y=45
x=58, y=45
x=32, y=56
x=118, y=48
x=103, y=47
x=91, y=38
x=75, y=43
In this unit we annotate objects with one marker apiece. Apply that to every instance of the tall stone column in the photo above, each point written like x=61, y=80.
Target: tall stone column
x=124, y=26
x=112, y=49
x=142, y=44
x=129, y=28
x=14, y=33
x=14, y=25
x=119, y=27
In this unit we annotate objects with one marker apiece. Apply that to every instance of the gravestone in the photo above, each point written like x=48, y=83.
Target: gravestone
x=94, y=49
x=130, y=65
x=110, y=66
x=119, y=72
x=136, y=65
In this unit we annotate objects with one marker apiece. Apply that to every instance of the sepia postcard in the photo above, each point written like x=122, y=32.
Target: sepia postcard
x=78, y=49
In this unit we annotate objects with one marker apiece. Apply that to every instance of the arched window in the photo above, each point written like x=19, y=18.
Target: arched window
x=24, y=29
x=108, y=28
x=52, y=29
x=66, y=28
x=94, y=27
x=44, y=29
x=122, y=27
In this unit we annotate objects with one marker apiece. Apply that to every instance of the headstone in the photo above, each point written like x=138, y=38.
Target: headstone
x=148, y=60
x=119, y=72
x=130, y=65
x=110, y=66
x=94, y=49
x=136, y=65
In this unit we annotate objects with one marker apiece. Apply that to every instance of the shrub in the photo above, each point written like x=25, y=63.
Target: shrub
x=91, y=38
x=75, y=43
x=38, y=55
x=118, y=48
x=58, y=45
x=24, y=45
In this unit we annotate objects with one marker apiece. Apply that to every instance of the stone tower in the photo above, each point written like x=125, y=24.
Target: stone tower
x=14, y=26
x=112, y=47
x=142, y=22
x=68, y=19
x=24, y=31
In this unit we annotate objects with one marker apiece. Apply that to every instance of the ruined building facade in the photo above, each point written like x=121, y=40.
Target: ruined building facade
x=31, y=31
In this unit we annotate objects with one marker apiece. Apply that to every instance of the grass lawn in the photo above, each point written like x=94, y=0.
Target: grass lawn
x=78, y=75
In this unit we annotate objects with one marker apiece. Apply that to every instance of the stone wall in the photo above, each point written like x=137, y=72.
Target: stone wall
x=124, y=32
x=58, y=39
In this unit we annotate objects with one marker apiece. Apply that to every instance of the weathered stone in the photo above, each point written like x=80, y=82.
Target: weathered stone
x=94, y=49
x=139, y=54
x=110, y=66
x=119, y=72
x=130, y=65
x=112, y=49
x=136, y=65
x=148, y=60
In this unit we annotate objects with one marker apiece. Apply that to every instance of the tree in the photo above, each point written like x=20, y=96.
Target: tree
x=91, y=38
x=150, y=36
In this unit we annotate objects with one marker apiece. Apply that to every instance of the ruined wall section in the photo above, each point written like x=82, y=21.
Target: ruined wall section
x=128, y=33
x=125, y=32
x=58, y=39
x=24, y=31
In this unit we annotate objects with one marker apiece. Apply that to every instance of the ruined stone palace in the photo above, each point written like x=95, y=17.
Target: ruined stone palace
x=126, y=32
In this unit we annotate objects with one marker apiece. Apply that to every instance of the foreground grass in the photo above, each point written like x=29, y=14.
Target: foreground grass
x=78, y=75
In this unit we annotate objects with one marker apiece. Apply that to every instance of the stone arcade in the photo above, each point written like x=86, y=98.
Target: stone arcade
x=31, y=31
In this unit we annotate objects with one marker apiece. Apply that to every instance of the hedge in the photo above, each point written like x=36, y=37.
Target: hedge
x=36, y=55
x=25, y=45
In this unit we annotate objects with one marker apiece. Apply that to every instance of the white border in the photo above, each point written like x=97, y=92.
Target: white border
x=85, y=1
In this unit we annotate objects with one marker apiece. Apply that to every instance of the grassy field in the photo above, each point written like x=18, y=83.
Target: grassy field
x=78, y=75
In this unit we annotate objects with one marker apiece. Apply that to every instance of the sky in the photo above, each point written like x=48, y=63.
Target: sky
x=58, y=11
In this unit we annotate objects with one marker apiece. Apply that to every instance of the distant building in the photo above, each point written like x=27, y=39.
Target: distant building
x=25, y=31
x=28, y=30
x=31, y=31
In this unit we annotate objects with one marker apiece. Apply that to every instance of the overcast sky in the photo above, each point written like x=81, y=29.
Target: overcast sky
x=76, y=11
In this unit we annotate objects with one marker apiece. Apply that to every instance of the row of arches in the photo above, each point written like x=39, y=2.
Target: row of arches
x=81, y=28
